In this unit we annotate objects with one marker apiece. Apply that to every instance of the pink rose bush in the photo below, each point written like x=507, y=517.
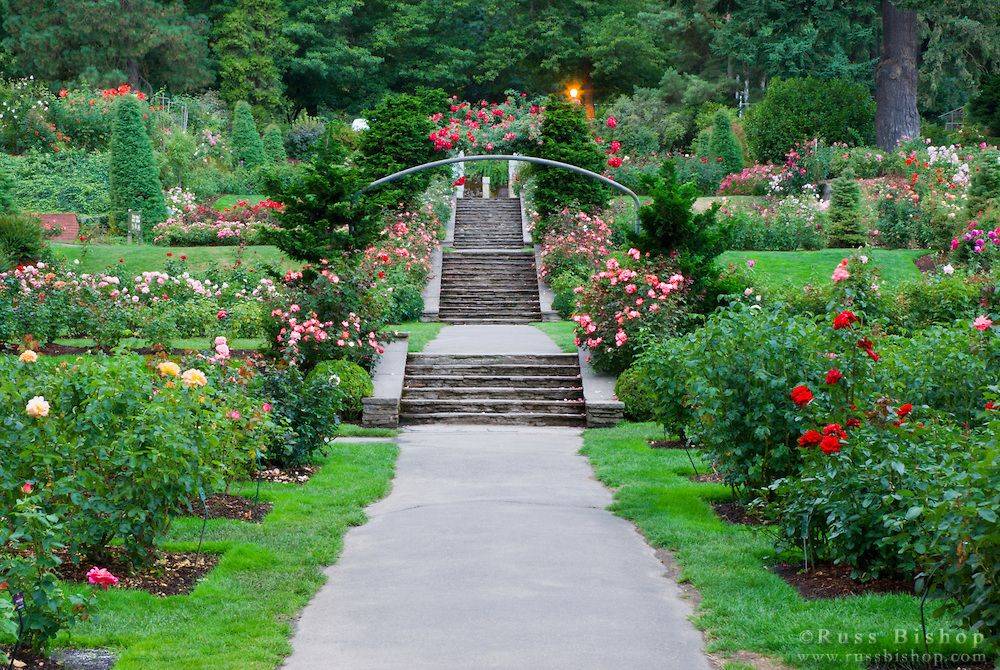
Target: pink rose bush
x=623, y=303
x=575, y=242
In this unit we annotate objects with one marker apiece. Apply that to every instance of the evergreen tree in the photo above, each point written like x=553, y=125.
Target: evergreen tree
x=847, y=228
x=252, y=51
x=274, y=145
x=724, y=144
x=323, y=216
x=984, y=108
x=133, y=174
x=247, y=144
x=397, y=139
x=668, y=226
x=566, y=137
x=108, y=41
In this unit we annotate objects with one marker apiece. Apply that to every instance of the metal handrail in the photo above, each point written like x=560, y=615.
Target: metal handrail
x=524, y=159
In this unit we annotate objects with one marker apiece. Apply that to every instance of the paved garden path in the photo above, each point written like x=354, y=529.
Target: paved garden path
x=495, y=550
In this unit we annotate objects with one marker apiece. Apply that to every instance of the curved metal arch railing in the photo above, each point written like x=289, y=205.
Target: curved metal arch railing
x=523, y=159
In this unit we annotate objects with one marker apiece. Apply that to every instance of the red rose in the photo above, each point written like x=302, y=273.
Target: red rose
x=834, y=429
x=991, y=406
x=833, y=376
x=459, y=182
x=854, y=423
x=801, y=395
x=844, y=319
x=904, y=410
x=869, y=348
x=830, y=444
x=810, y=438
x=26, y=487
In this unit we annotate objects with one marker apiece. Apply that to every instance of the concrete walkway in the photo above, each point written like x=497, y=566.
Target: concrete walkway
x=485, y=339
x=495, y=550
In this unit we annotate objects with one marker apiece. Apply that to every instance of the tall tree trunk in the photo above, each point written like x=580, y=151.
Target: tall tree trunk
x=896, y=78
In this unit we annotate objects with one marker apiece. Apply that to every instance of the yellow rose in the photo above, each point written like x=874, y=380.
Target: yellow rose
x=28, y=356
x=194, y=377
x=37, y=407
x=168, y=369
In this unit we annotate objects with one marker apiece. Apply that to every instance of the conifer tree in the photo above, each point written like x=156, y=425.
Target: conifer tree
x=847, y=229
x=133, y=174
x=274, y=145
x=247, y=145
x=724, y=144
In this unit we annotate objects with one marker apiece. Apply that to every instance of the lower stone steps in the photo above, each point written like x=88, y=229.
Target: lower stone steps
x=496, y=418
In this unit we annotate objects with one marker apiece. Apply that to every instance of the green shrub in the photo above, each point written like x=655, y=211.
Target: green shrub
x=566, y=137
x=947, y=368
x=791, y=225
x=274, y=145
x=396, y=139
x=729, y=383
x=247, y=145
x=306, y=408
x=21, y=240
x=68, y=181
x=354, y=383
x=134, y=178
x=796, y=110
x=901, y=224
x=303, y=135
x=563, y=292
x=407, y=304
x=936, y=300
x=669, y=227
x=724, y=145
x=705, y=174
x=847, y=228
x=634, y=389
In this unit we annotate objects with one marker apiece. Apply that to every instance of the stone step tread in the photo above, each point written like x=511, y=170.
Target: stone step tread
x=510, y=358
x=491, y=392
x=496, y=418
x=487, y=405
x=467, y=381
x=495, y=369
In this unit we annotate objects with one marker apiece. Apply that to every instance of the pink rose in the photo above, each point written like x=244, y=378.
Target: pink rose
x=101, y=577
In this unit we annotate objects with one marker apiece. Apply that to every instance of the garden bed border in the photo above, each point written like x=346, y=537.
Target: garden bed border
x=604, y=409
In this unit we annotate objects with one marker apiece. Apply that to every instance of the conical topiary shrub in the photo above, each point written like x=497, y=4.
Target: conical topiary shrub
x=847, y=229
x=247, y=144
x=274, y=145
x=723, y=143
x=134, y=177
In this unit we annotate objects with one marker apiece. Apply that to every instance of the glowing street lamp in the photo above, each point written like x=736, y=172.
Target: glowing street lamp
x=574, y=93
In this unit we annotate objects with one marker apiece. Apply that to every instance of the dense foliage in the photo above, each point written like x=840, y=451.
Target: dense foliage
x=565, y=138
x=133, y=178
x=794, y=110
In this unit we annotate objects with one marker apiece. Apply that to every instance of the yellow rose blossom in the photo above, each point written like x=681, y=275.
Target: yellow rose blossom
x=168, y=369
x=194, y=377
x=37, y=407
x=28, y=356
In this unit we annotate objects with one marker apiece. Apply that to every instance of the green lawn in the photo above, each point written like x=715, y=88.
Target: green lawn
x=354, y=430
x=240, y=617
x=146, y=257
x=561, y=332
x=421, y=333
x=744, y=606
x=776, y=269
x=228, y=200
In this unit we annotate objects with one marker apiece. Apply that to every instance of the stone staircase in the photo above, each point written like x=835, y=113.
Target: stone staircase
x=482, y=223
x=489, y=287
x=518, y=389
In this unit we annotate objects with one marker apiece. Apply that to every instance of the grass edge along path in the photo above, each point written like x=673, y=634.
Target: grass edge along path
x=563, y=333
x=744, y=606
x=240, y=615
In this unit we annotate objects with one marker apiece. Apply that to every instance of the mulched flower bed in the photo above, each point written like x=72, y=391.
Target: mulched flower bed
x=172, y=574
x=299, y=475
x=226, y=506
x=735, y=512
x=834, y=581
x=65, y=659
x=709, y=478
x=32, y=662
